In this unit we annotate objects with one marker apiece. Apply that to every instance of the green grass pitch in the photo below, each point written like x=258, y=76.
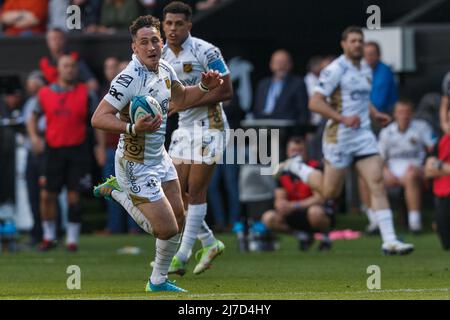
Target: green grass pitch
x=283, y=274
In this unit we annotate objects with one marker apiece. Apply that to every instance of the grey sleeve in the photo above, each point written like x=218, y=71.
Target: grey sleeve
x=33, y=106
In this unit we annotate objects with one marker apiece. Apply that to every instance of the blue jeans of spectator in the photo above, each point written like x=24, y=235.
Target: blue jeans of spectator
x=229, y=173
x=118, y=219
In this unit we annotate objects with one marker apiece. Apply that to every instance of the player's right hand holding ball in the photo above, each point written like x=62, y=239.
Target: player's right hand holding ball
x=148, y=124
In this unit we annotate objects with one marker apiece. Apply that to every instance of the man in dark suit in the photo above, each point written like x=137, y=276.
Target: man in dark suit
x=282, y=96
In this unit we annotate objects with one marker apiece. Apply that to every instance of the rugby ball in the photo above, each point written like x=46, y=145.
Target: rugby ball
x=141, y=106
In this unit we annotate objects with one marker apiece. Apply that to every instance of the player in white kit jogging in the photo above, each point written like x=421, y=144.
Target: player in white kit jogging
x=342, y=96
x=200, y=138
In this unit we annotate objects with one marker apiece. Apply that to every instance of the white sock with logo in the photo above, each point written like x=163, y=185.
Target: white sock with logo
x=133, y=211
x=205, y=235
x=195, y=216
x=165, y=251
x=49, y=229
x=414, y=220
x=386, y=225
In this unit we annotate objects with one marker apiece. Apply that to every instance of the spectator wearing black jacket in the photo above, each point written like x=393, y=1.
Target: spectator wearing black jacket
x=283, y=95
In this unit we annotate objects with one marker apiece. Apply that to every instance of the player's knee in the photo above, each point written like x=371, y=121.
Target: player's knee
x=412, y=175
x=268, y=218
x=376, y=185
x=317, y=218
x=166, y=233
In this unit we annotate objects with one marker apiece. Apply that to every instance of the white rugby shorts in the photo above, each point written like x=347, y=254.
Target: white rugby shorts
x=143, y=182
x=197, y=145
x=345, y=151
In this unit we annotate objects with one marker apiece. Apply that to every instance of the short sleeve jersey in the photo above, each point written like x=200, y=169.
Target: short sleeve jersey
x=136, y=80
x=398, y=147
x=348, y=89
x=198, y=56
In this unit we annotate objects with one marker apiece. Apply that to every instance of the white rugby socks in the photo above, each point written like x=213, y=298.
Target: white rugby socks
x=386, y=225
x=133, y=211
x=195, y=216
x=165, y=250
x=73, y=232
x=49, y=229
x=414, y=220
x=372, y=216
x=205, y=235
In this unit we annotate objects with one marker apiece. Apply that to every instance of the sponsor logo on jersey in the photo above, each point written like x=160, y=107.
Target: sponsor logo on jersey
x=115, y=93
x=359, y=94
x=152, y=183
x=124, y=80
x=134, y=187
x=187, y=67
x=167, y=81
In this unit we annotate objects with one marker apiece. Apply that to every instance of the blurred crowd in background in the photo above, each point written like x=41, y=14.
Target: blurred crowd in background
x=283, y=95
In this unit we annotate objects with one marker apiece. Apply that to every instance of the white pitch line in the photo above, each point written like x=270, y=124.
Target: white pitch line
x=278, y=294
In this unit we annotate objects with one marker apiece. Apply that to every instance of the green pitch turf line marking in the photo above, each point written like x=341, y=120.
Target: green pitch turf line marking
x=279, y=294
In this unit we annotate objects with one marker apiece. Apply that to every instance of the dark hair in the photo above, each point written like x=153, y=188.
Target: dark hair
x=314, y=61
x=406, y=101
x=144, y=22
x=296, y=140
x=178, y=7
x=351, y=29
x=375, y=45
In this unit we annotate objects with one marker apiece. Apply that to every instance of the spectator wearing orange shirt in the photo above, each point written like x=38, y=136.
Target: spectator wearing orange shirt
x=56, y=44
x=24, y=17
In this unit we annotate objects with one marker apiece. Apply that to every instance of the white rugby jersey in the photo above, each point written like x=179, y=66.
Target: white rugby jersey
x=136, y=80
x=198, y=56
x=402, y=148
x=348, y=89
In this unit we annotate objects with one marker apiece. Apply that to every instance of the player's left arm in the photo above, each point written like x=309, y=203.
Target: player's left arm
x=435, y=168
x=222, y=93
x=315, y=199
x=383, y=118
x=182, y=96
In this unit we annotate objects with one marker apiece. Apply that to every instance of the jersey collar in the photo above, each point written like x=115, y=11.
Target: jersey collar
x=350, y=64
x=141, y=68
x=186, y=44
